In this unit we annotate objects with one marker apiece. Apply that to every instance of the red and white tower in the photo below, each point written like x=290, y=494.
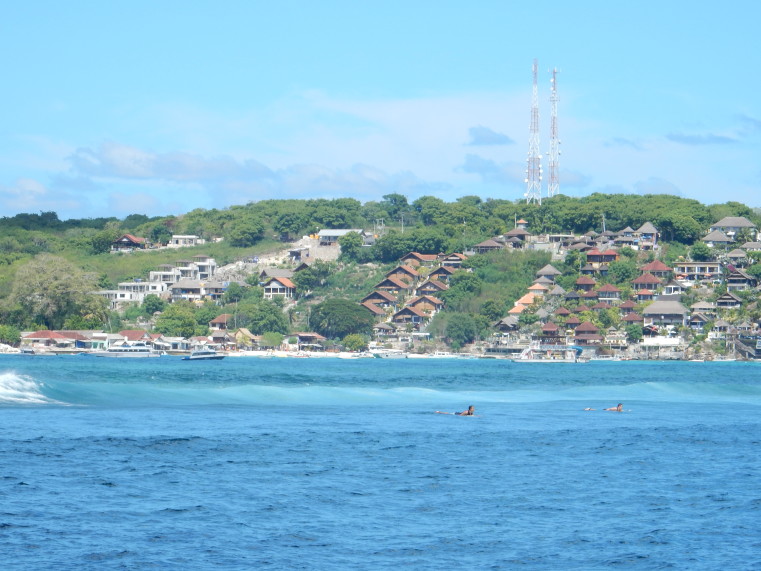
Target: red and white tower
x=553, y=185
x=534, y=166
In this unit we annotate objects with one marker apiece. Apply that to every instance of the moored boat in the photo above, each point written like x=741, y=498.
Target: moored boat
x=203, y=355
x=540, y=353
x=389, y=354
x=136, y=350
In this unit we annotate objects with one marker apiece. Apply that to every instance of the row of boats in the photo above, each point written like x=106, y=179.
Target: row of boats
x=535, y=353
x=140, y=350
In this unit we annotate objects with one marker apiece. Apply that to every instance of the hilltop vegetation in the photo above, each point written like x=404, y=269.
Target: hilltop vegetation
x=49, y=267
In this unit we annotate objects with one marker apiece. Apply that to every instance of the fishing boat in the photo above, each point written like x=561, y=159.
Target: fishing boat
x=544, y=353
x=203, y=355
x=135, y=350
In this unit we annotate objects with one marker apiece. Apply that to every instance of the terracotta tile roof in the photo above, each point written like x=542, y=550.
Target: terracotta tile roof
x=45, y=334
x=632, y=317
x=586, y=327
x=133, y=334
x=380, y=293
x=655, y=266
x=374, y=309
x=647, y=278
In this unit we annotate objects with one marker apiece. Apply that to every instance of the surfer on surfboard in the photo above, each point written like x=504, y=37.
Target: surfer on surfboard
x=470, y=412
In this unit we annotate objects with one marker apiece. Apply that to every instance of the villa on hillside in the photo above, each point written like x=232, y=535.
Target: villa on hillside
x=330, y=237
x=733, y=225
x=128, y=243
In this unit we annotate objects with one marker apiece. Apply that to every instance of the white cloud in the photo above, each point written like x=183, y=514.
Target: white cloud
x=481, y=135
x=30, y=195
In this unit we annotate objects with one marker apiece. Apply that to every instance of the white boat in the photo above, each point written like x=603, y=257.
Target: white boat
x=389, y=354
x=539, y=353
x=136, y=350
x=203, y=355
x=35, y=352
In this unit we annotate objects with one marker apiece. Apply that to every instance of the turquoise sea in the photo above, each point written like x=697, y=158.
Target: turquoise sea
x=251, y=463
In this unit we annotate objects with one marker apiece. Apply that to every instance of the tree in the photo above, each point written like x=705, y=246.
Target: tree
x=266, y=317
x=493, y=309
x=152, y=304
x=9, y=335
x=179, y=320
x=634, y=332
x=272, y=339
x=291, y=222
x=623, y=270
x=337, y=318
x=461, y=329
x=351, y=245
x=50, y=289
x=700, y=252
x=160, y=234
x=355, y=342
x=234, y=293
x=245, y=232
x=100, y=243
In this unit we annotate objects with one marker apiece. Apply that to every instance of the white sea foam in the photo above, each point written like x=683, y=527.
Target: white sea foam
x=16, y=389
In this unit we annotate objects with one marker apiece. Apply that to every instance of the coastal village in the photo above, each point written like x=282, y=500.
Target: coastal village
x=547, y=323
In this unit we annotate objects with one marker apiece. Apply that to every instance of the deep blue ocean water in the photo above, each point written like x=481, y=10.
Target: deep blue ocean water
x=251, y=463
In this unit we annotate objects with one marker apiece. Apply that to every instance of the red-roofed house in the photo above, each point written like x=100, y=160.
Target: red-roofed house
x=409, y=315
x=426, y=304
x=380, y=299
x=628, y=305
x=377, y=312
x=487, y=246
x=416, y=259
x=609, y=293
x=393, y=285
x=127, y=243
x=646, y=281
x=656, y=268
x=404, y=273
x=279, y=287
x=219, y=323
x=442, y=273
x=587, y=334
x=585, y=283
x=45, y=338
x=453, y=260
x=633, y=318
x=135, y=335
x=645, y=295
x=552, y=334
x=431, y=287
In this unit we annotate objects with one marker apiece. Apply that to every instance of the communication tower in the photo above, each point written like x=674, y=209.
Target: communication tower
x=534, y=165
x=553, y=185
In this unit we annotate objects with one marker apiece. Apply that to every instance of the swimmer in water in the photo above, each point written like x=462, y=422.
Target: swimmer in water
x=617, y=408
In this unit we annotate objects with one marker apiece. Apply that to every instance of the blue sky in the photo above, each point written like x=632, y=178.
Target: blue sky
x=157, y=108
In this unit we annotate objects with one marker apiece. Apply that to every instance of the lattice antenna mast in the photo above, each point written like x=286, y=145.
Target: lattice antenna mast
x=534, y=166
x=553, y=185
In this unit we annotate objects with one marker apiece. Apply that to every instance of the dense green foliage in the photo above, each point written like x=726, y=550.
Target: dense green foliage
x=49, y=267
x=336, y=318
